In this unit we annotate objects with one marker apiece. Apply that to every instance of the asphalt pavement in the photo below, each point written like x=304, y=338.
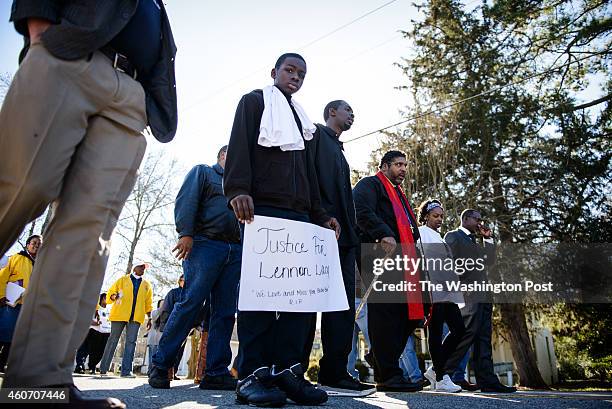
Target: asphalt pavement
x=137, y=394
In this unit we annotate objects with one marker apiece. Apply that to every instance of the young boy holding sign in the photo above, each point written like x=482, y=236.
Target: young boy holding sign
x=269, y=173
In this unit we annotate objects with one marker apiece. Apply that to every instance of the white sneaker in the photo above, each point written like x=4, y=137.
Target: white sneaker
x=446, y=385
x=430, y=374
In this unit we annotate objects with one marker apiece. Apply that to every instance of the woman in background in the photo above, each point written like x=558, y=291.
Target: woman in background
x=445, y=308
x=17, y=271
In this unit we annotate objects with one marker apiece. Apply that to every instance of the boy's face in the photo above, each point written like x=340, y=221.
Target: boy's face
x=290, y=75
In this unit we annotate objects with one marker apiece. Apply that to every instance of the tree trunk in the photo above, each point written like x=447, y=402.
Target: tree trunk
x=513, y=315
x=130, y=261
x=48, y=217
x=522, y=350
x=32, y=227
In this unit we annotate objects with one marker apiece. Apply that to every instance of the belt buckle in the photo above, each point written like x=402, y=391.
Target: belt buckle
x=116, y=65
x=115, y=61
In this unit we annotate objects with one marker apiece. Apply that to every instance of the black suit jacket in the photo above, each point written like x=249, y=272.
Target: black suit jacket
x=463, y=247
x=81, y=27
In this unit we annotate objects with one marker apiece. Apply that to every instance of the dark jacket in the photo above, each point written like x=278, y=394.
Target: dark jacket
x=173, y=297
x=334, y=176
x=201, y=208
x=170, y=300
x=463, y=247
x=271, y=176
x=81, y=27
x=375, y=216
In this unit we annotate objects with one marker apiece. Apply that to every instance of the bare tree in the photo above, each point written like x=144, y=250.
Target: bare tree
x=146, y=220
x=165, y=268
x=5, y=83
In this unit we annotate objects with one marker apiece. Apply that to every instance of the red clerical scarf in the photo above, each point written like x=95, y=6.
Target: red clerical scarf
x=414, y=298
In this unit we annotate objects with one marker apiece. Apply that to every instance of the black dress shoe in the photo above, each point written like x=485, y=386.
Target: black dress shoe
x=467, y=386
x=158, y=378
x=498, y=389
x=258, y=389
x=292, y=382
x=398, y=383
x=221, y=382
x=347, y=386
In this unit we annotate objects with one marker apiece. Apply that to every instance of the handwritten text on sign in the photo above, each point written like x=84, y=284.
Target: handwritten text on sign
x=290, y=266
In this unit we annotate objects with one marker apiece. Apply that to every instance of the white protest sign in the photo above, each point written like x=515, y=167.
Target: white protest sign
x=290, y=266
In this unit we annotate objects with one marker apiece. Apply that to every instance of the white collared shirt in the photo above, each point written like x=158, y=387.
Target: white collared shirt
x=466, y=231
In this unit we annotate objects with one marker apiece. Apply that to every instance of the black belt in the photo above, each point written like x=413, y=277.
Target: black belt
x=120, y=61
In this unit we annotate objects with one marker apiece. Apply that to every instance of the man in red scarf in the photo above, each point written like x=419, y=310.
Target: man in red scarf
x=387, y=223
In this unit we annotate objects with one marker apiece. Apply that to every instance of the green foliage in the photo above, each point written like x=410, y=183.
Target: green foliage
x=500, y=127
x=583, y=339
x=602, y=368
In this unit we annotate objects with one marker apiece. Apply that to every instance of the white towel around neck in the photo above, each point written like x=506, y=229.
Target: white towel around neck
x=278, y=127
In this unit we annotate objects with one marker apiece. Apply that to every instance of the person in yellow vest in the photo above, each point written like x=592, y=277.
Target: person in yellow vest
x=132, y=298
x=17, y=271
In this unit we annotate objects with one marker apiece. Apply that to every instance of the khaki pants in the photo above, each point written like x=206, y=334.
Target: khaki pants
x=70, y=132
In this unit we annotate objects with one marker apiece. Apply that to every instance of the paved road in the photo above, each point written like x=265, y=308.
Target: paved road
x=184, y=394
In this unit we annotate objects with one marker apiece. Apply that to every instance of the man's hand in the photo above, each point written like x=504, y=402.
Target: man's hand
x=485, y=232
x=37, y=26
x=334, y=225
x=3, y=301
x=183, y=247
x=388, y=244
x=114, y=297
x=243, y=208
x=149, y=324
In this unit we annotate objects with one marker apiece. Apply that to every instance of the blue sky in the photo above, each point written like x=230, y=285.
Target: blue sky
x=226, y=49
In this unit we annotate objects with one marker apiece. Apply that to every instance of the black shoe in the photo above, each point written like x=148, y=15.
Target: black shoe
x=79, y=369
x=348, y=386
x=298, y=389
x=420, y=382
x=499, y=388
x=258, y=389
x=92, y=371
x=467, y=386
x=220, y=382
x=397, y=383
x=158, y=378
